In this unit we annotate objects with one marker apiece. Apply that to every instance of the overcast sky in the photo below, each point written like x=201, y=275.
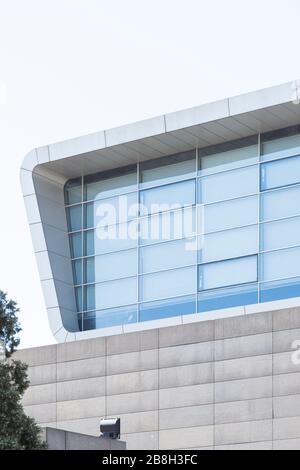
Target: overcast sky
x=71, y=67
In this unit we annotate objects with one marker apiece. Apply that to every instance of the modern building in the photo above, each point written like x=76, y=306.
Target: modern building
x=169, y=257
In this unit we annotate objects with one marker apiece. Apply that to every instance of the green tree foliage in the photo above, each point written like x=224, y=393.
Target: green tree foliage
x=17, y=430
x=9, y=325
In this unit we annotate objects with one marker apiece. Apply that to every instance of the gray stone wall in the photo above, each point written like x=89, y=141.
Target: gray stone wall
x=223, y=384
x=64, y=440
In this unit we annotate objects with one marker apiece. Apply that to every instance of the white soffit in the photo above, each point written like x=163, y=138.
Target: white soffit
x=205, y=125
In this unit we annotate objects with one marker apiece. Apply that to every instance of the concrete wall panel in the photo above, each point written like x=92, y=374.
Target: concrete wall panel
x=77, y=409
x=81, y=389
x=186, y=375
x=228, y=384
x=87, y=368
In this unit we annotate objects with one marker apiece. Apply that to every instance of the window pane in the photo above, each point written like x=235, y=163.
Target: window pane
x=116, y=265
x=228, y=273
x=229, y=155
x=110, y=183
x=168, y=284
x=89, y=270
x=80, y=322
x=168, y=308
x=74, y=218
x=229, y=244
x=281, y=234
x=115, y=210
x=89, y=298
x=89, y=245
x=168, y=255
x=229, y=185
x=281, y=264
x=110, y=211
x=76, y=245
x=78, y=296
x=229, y=214
x=116, y=238
x=88, y=216
x=280, y=204
x=170, y=197
x=280, y=173
x=228, y=298
x=168, y=226
x=286, y=289
x=116, y=293
x=116, y=316
x=77, y=271
x=73, y=191
x=87, y=321
x=283, y=139
x=167, y=167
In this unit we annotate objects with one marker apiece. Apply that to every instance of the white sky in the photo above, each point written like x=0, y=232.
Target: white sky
x=71, y=67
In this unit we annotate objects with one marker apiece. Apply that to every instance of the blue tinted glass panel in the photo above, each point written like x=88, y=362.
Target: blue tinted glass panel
x=281, y=203
x=280, y=173
x=116, y=316
x=228, y=273
x=228, y=185
x=284, y=140
x=116, y=238
x=229, y=214
x=228, y=156
x=168, y=226
x=168, y=167
x=74, y=218
x=168, y=255
x=279, y=290
x=228, y=298
x=116, y=265
x=170, y=197
x=229, y=244
x=89, y=243
x=77, y=271
x=115, y=210
x=89, y=298
x=280, y=264
x=168, y=284
x=78, y=296
x=116, y=293
x=80, y=322
x=280, y=234
x=168, y=308
x=76, y=245
x=88, y=216
x=110, y=183
x=73, y=191
x=89, y=270
x=88, y=321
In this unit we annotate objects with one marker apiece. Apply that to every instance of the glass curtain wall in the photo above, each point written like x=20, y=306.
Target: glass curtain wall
x=193, y=232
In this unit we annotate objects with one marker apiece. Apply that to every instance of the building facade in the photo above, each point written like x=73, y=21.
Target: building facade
x=171, y=249
x=180, y=215
x=231, y=383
